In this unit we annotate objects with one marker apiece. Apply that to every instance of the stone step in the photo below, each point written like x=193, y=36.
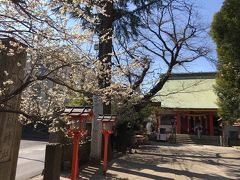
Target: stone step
x=193, y=139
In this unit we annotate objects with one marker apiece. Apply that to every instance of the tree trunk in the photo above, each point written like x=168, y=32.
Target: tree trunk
x=225, y=136
x=105, y=50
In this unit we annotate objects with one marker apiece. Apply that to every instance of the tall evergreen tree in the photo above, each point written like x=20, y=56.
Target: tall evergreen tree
x=116, y=18
x=140, y=44
x=225, y=31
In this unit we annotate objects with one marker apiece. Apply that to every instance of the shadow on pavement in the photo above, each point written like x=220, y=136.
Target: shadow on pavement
x=127, y=165
x=167, y=162
x=139, y=174
x=95, y=173
x=185, y=155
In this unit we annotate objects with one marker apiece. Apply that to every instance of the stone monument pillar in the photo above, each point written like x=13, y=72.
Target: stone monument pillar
x=96, y=143
x=11, y=70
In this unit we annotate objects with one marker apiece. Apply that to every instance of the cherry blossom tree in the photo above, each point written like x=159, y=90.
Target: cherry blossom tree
x=57, y=64
x=62, y=62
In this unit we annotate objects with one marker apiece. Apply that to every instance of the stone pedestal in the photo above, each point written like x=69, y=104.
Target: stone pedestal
x=11, y=67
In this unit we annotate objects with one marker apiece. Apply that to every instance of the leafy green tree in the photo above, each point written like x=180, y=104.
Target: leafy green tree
x=225, y=31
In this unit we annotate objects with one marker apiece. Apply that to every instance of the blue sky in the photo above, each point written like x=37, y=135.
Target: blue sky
x=207, y=9
x=210, y=7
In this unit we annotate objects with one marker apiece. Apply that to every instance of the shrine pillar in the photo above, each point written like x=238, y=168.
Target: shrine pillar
x=210, y=122
x=178, y=122
x=157, y=115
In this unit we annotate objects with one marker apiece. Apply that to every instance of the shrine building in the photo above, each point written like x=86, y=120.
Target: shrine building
x=187, y=102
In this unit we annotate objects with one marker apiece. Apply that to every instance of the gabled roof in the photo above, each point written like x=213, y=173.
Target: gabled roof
x=188, y=91
x=77, y=111
x=107, y=118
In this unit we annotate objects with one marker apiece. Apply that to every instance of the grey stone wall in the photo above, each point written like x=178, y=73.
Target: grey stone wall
x=231, y=136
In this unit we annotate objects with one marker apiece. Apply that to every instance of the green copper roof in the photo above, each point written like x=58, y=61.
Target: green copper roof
x=192, y=91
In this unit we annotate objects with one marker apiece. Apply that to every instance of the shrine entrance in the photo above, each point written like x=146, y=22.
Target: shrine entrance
x=189, y=122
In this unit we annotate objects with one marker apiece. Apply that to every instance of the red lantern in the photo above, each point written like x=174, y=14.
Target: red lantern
x=108, y=124
x=78, y=116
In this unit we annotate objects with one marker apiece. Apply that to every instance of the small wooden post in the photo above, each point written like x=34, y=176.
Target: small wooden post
x=52, y=166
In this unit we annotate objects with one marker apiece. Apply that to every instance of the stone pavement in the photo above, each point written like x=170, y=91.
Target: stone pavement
x=161, y=161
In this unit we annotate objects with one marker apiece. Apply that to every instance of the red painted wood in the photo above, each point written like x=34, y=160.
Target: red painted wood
x=158, y=123
x=210, y=120
x=76, y=139
x=106, y=135
x=178, y=121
